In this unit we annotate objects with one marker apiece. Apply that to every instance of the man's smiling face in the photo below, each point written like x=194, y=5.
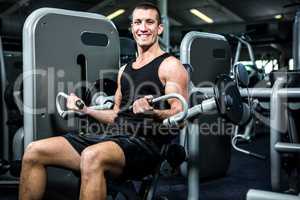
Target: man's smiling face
x=145, y=27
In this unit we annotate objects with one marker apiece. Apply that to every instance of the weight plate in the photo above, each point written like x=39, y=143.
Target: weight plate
x=228, y=99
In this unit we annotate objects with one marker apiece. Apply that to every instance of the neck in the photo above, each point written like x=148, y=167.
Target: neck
x=149, y=52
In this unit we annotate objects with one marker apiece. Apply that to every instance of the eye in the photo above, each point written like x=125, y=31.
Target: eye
x=137, y=22
x=150, y=21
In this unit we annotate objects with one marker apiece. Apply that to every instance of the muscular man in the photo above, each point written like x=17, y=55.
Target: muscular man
x=131, y=148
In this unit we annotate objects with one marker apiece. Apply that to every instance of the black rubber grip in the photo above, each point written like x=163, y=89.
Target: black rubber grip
x=79, y=104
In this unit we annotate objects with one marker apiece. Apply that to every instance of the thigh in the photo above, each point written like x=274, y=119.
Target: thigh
x=109, y=154
x=56, y=151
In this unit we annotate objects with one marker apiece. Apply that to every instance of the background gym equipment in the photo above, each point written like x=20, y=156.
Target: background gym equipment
x=3, y=116
x=4, y=166
x=242, y=80
x=11, y=115
x=255, y=75
x=14, y=167
x=282, y=99
x=228, y=102
x=214, y=59
x=128, y=50
x=281, y=125
x=284, y=129
x=203, y=145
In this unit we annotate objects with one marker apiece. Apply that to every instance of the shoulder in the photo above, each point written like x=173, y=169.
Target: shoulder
x=120, y=72
x=172, y=66
x=122, y=68
x=171, y=60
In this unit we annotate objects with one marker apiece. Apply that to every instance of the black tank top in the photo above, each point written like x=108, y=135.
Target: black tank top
x=136, y=83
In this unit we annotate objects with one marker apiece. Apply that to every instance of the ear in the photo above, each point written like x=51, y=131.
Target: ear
x=160, y=29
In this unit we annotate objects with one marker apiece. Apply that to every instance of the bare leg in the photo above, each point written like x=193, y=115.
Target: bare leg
x=39, y=154
x=95, y=161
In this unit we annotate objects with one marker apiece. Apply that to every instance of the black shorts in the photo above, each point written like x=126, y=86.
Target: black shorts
x=142, y=156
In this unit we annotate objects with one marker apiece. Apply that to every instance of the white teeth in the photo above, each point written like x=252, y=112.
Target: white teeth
x=143, y=36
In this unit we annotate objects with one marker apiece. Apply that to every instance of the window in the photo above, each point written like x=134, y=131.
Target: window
x=266, y=65
x=291, y=64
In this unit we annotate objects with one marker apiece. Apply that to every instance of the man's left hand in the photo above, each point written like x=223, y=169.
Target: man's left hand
x=143, y=105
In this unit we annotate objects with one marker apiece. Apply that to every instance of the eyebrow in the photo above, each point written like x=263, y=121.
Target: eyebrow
x=147, y=19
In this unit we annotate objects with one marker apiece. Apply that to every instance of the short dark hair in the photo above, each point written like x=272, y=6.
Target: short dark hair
x=148, y=5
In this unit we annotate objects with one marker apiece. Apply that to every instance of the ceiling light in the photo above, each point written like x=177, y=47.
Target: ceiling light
x=115, y=14
x=201, y=16
x=279, y=16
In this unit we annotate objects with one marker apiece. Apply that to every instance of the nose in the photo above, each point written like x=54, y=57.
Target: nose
x=143, y=26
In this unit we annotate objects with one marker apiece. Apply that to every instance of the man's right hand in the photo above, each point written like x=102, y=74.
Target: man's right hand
x=71, y=103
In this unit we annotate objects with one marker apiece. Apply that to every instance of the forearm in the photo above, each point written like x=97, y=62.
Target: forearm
x=103, y=116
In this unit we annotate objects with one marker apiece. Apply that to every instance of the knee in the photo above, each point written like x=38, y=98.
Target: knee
x=31, y=154
x=92, y=161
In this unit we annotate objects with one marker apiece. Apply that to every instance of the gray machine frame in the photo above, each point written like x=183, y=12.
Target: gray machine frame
x=58, y=53
x=4, y=117
x=193, y=130
x=35, y=47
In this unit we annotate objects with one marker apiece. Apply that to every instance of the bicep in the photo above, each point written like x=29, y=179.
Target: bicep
x=118, y=94
x=177, y=82
x=117, y=99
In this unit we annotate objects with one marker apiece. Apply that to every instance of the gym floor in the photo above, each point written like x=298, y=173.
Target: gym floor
x=244, y=173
